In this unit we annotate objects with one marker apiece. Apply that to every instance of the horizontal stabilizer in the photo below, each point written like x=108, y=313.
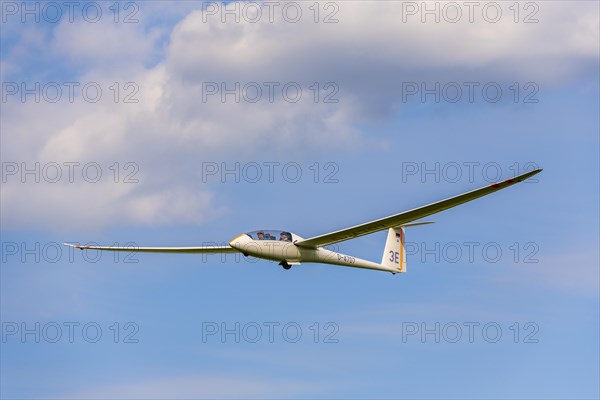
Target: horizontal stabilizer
x=416, y=224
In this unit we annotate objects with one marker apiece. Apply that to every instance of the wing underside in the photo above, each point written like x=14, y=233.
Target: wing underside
x=136, y=249
x=408, y=216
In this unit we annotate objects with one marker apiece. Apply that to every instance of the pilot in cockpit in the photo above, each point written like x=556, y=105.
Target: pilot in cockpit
x=286, y=237
x=260, y=235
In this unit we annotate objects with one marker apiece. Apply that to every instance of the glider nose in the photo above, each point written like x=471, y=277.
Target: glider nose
x=239, y=241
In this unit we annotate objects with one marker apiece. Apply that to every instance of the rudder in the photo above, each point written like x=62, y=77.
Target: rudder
x=394, y=253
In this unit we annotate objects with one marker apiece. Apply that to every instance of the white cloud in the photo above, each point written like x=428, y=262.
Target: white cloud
x=367, y=54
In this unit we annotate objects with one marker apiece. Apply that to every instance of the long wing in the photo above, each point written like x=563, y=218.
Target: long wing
x=135, y=249
x=408, y=216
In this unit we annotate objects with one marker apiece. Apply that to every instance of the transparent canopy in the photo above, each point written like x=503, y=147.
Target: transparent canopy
x=267, y=234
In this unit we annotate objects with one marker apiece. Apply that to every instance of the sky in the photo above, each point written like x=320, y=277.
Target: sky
x=183, y=123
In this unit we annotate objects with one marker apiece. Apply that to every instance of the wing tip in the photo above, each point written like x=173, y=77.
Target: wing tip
x=528, y=175
x=76, y=246
x=516, y=179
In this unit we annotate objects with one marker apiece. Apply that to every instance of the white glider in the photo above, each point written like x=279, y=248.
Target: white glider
x=290, y=249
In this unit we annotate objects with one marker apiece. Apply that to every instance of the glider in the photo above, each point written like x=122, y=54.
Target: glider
x=290, y=249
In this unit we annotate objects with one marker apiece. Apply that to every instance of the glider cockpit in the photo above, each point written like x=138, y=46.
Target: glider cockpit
x=269, y=234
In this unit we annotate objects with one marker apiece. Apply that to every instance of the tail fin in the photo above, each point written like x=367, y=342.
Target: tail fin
x=394, y=254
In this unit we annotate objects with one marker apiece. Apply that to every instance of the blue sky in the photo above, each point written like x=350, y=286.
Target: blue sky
x=544, y=285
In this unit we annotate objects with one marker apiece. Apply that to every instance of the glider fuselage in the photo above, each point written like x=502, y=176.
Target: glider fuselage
x=281, y=246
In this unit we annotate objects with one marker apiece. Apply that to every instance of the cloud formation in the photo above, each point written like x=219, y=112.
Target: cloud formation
x=177, y=78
